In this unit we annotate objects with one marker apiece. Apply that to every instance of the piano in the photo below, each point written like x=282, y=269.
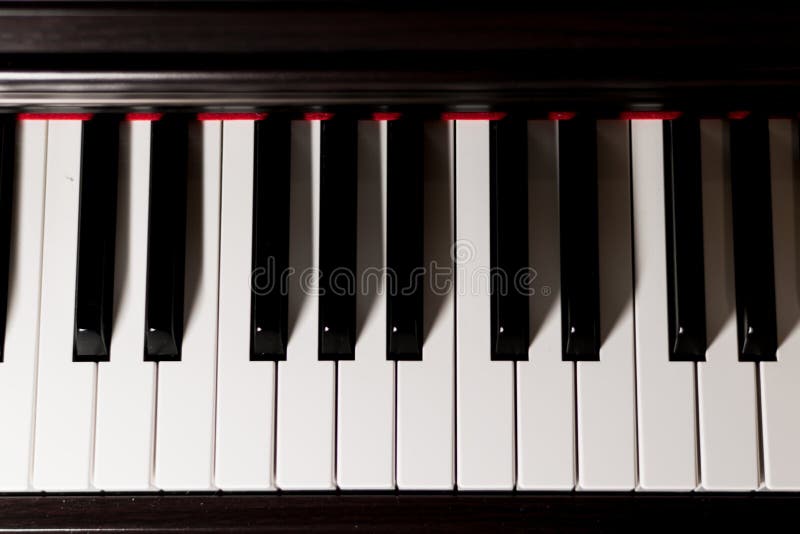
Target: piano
x=334, y=265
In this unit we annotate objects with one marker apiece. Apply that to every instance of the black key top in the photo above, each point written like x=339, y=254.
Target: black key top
x=577, y=191
x=166, y=247
x=404, y=239
x=8, y=135
x=686, y=299
x=752, y=239
x=269, y=300
x=509, y=256
x=98, y=202
x=337, y=255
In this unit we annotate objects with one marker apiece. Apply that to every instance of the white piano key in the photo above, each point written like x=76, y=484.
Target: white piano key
x=18, y=369
x=545, y=383
x=124, y=427
x=665, y=390
x=780, y=394
x=65, y=389
x=184, y=450
x=425, y=390
x=305, y=428
x=365, y=419
x=606, y=398
x=245, y=389
x=484, y=388
x=726, y=387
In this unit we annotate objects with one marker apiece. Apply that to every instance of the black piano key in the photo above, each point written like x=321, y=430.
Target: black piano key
x=404, y=239
x=509, y=239
x=686, y=299
x=337, y=254
x=752, y=239
x=8, y=136
x=96, y=227
x=269, y=300
x=166, y=246
x=577, y=186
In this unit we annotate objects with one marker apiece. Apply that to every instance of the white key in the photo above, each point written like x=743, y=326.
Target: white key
x=124, y=428
x=186, y=398
x=65, y=389
x=726, y=387
x=665, y=389
x=365, y=421
x=305, y=438
x=484, y=388
x=245, y=389
x=780, y=394
x=545, y=383
x=425, y=391
x=606, y=398
x=18, y=370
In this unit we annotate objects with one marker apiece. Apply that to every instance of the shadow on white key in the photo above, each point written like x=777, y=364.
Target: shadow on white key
x=606, y=410
x=124, y=427
x=726, y=387
x=665, y=390
x=18, y=369
x=66, y=389
x=365, y=420
x=425, y=390
x=305, y=429
x=184, y=453
x=545, y=383
x=484, y=388
x=245, y=389
x=780, y=394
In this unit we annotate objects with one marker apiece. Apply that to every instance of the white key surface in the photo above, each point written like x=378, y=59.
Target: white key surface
x=425, y=389
x=306, y=413
x=20, y=351
x=780, y=394
x=124, y=428
x=726, y=387
x=606, y=398
x=665, y=390
x=65, y=389
x=484, y=388
x=245, y=389
x=365, y=419
x=545, y=383
x=184, y=451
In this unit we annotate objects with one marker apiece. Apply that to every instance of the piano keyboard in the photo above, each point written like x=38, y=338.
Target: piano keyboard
x=482, y=302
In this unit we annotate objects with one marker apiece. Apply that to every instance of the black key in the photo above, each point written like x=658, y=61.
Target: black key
x=752, y=239
x=269, y=300
x=98, y=203
x=166, y=247
x=577, y=191
x=404, y=239
x=337, y=255
x=509, y=241
x=8, y=135
x=686, y=299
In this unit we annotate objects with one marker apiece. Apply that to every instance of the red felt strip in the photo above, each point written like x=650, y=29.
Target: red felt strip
x=386, y=116
x=54, y=116
x=561, y=115
x=317, y=116
x=650, y=115
x=143, y=116
x=473, y=115
x=231, y=116
x=736, y=115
